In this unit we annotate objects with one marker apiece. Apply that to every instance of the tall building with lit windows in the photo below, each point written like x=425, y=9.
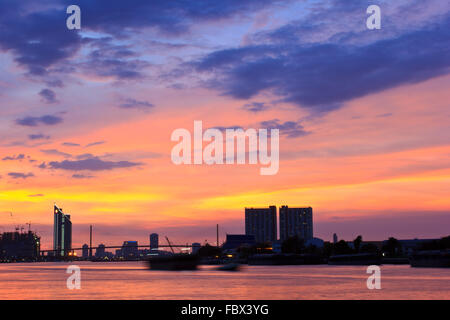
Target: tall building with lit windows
x=296, y=222
x=62, y=232
x=85, y=251
x=261, y=223
x=154, y=241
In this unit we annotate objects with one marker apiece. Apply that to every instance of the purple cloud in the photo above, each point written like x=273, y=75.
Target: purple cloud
x=135, y=104
x=70, y=144
x=55, y=83
x=18, y=157
x=255, y=107
x=291, y=129
x=81, y=176
x=96, y=143
x=38, y=136
x=169, y=17
x=36, y=38
x=48, y=96
x=91, y=164
x=20, y=175
x=48, y=120
x=55, y=152
x=322, y=76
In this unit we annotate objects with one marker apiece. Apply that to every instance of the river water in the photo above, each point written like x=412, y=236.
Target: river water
x=131, y=280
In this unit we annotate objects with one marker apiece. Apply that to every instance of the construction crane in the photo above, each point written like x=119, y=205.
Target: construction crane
x=170, y=245
x=17, y=226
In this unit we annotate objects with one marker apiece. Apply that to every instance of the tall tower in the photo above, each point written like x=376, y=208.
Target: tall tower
x=62, y=232
x=261, y=223
x=296, y=222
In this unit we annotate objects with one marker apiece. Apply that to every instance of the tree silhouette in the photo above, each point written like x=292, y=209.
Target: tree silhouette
x=392, y=248
x=293, y=245
x=342, y=247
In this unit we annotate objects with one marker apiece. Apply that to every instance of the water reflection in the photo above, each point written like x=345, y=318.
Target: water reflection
x=132, y=280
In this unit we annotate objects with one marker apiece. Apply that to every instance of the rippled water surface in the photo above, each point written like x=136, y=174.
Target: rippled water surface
x=131, y=280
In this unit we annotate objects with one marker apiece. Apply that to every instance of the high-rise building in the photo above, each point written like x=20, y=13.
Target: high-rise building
x=195, y=247
x=19, y=245
x=62, y=232
x=261, y=223
x=130, y=250
x=296, y=222
x=235, y=241
x=100, y=252
x=85, y=251
x=154, y=241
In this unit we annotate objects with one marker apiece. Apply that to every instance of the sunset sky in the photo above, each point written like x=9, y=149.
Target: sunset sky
x=86, y=115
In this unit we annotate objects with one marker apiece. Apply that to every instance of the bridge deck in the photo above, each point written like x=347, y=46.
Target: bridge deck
x=120, y=247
